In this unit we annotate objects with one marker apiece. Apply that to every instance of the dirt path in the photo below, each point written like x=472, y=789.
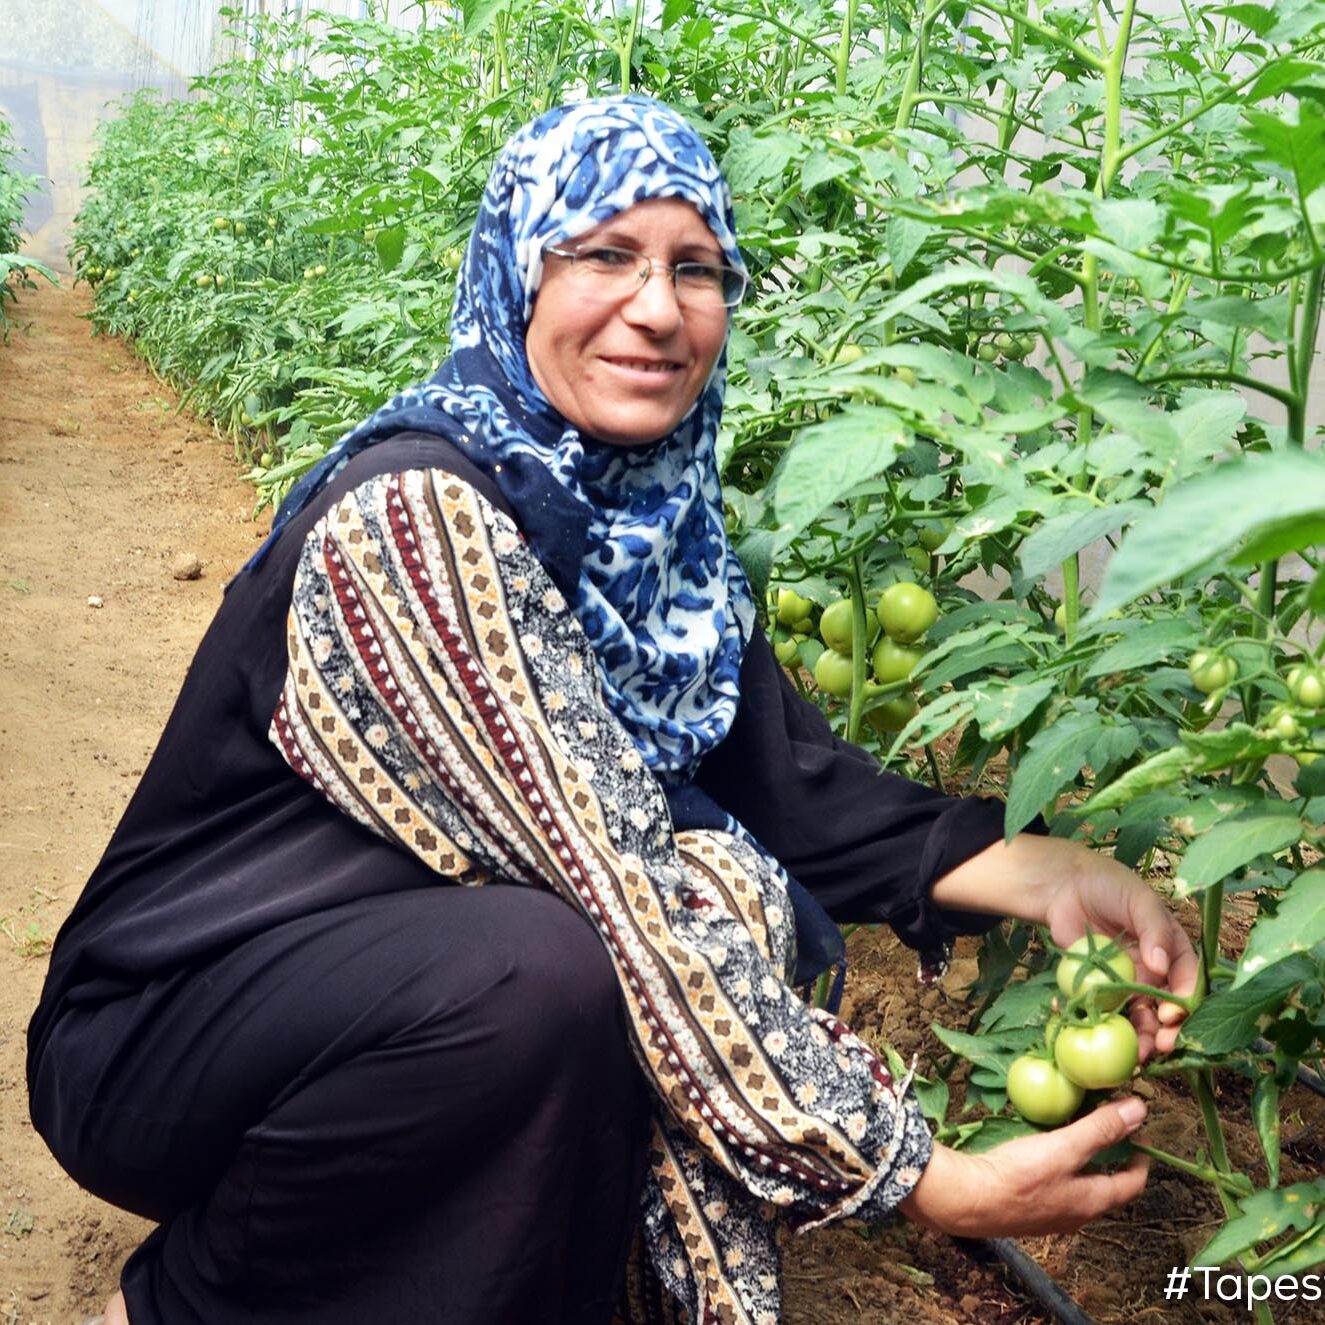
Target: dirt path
x=102, y=485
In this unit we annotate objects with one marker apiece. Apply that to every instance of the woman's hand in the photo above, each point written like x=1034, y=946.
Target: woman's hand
x=1033, y=1185
x=1070, y=888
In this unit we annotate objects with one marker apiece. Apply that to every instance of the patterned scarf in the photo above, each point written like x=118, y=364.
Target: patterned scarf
x=634, y=536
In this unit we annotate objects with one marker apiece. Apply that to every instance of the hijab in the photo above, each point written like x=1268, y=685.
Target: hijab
x=633, y=536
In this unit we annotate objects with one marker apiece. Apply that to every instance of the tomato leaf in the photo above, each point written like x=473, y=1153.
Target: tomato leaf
x=1206, y=517
x=1267, y=1215
x=1230, y=845
x=1149, y=642
x=1057, y=539
x=390, y=246
x=1297, y=925
x=1053, y=759
x=830, y=458
x=1232, y=1018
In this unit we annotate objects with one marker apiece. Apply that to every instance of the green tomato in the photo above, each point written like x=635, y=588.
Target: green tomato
x=905, y=375
x=1098, y=1057
x=1307, y=686
x=787, y=651
x=893, y=661
x=931, y=536
x=1282, y=723
x=805, y=626
x=1076, y=975
x=987, y=352
x=220, y=280
x=835, y=626
x=1060, y=617
x=221, y=223
x=792, y=607
x=241, y=228
x=906, y=611
x=833, y=673
x=849, y=353
x=1041, y=1093
x=1005, y=342
x=202, y=281
x=1211, y=671
x=919, y=560
x=892, y=715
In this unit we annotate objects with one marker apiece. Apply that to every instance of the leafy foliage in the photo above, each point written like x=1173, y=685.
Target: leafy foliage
x=14, y=188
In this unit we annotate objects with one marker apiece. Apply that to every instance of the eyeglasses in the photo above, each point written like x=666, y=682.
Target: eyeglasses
x=617, y=273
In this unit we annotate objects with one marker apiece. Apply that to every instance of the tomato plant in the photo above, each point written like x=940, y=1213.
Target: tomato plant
x=14, y=188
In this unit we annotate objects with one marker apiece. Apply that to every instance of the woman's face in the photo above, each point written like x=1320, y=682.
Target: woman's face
x=626, y=370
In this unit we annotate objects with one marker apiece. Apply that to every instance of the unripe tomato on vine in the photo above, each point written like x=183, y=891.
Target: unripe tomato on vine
x=1307, y=686
x=1099, y=1056
x=833, y=673
x=892, y=715
x=893, y=662
x=906, y=610
x=835, y=626
x=1211, y=670
x=791, y=607
x=1041, y=1093
x=1076, y=974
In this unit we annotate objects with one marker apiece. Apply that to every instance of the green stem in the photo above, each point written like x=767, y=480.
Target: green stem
x=1212, y=909
x=1049, y=34
x=1235, y=1184
x=627, y=47
x=911, y=86
x=843, y=57
x=860, y=645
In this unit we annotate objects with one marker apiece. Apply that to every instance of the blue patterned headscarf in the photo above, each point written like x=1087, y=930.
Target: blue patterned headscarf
x=634, y=536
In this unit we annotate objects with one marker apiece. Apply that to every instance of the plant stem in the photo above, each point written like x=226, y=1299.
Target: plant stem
x=1237, y=1184
x=911, y=86
x=843, y=58
x=859, y=638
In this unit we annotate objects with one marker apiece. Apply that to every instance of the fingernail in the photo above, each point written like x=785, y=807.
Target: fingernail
x=1133, y=1113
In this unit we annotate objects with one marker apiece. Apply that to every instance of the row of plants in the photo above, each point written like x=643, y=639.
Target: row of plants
x=14, y=188
x=1037, y=295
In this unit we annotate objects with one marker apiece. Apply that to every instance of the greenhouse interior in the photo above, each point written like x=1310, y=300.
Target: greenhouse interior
x=814, y=510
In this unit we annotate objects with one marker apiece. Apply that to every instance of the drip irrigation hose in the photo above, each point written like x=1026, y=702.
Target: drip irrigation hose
x=1042, y=1287
x=1305, y=1075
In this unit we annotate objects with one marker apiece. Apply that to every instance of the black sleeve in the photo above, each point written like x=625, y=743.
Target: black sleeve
x=867, y=843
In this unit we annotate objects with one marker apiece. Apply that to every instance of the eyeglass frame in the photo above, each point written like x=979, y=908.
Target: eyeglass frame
x=650, y=265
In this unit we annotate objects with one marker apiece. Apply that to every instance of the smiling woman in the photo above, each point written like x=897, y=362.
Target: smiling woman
x=498, y=637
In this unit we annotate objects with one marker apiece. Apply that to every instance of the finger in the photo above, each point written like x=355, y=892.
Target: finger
x=1151, y=923
x=1142, y=1014
x=1182, y=980
x=1107, y=1191
x=1099, y=1129
x=1166, y=1039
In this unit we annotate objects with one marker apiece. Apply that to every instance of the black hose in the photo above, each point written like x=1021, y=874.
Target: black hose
x=1305, y=1075
x=1046, y=1290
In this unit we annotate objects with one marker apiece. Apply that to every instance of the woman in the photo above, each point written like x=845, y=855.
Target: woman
x=499, y=636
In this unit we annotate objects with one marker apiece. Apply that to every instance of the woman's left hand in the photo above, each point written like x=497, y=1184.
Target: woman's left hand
x=1072, y=889
x=1106, y=898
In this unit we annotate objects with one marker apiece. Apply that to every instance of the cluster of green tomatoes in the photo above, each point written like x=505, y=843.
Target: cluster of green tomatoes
x=1090, y=1045
x=904, y=612
x=1212, y=672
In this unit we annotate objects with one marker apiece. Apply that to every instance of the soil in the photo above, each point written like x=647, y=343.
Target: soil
x=106, y=490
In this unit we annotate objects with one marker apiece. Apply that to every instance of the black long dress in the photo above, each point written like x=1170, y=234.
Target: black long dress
x=346, y=1092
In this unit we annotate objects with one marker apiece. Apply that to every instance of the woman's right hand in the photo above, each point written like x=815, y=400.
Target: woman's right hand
x=1033, y=1185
